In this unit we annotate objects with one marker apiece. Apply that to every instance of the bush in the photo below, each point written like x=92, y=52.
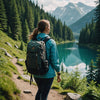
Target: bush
x=74, y=82
x=93, y=92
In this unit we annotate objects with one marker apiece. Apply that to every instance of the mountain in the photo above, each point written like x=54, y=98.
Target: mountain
x=81, y=23
x=71, y=12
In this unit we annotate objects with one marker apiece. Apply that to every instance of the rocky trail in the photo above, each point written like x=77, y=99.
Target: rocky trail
x=22, y=86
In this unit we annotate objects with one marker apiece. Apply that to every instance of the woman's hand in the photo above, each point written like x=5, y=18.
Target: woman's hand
x=58, y=77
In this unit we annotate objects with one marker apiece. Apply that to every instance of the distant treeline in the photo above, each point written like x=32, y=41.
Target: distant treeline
x=18, y=18
x=91, y=33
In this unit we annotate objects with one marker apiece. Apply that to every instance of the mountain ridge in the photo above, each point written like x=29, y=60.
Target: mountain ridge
x=81, y=23
x=71, y=12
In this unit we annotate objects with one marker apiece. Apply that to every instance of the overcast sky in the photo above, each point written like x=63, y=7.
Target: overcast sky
x=49, y=5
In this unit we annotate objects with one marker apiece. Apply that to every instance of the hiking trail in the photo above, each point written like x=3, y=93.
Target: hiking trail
x=22, y=86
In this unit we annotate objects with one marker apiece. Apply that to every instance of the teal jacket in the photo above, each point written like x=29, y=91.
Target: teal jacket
x=52, y=57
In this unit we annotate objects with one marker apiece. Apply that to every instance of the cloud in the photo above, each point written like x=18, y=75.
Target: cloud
x=53, y=4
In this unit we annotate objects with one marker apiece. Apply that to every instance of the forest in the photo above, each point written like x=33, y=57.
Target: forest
x=91, y=33
x=18, y=18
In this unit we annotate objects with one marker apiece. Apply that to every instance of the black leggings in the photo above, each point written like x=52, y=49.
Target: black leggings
x=44, y=85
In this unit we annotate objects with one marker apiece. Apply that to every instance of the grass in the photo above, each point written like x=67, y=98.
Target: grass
x=8, y=89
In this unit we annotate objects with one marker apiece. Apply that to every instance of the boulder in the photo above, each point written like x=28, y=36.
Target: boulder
x=16, y=46
x=73, y=96
x=9, y=44
x=3, y=49
x=7, y=54
x=20, y=59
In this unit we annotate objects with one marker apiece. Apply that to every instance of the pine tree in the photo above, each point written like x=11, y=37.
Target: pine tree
x=98, y=70
x=29, y=16
x=59, y=28
x=22, y=46
x=91, y=73
x=9, y=31
x=70, y=34
x=3, y=18
x=25, y=31
x=87, y=36
x=92, y=30
x=97, y=17
x=37, y=18
x=64, y=32
x=15, y=22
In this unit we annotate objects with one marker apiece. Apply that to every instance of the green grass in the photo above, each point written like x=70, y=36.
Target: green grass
x=8, y=89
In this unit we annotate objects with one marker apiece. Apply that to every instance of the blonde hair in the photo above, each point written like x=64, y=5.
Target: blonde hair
x=41, y=27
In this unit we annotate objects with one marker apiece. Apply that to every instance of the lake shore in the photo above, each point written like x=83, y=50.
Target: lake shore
x=90, y=46
x=65, y=42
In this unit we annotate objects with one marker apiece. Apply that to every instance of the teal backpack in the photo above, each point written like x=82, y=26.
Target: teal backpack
x=36, y=61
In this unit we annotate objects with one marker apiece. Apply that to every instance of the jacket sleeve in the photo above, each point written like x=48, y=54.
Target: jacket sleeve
x=54, y=56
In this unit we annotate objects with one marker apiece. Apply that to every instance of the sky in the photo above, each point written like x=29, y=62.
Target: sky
x=49, y=5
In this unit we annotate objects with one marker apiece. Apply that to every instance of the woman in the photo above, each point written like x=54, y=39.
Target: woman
x=44, y=82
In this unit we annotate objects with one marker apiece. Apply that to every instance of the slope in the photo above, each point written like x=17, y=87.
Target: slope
x=77, y=26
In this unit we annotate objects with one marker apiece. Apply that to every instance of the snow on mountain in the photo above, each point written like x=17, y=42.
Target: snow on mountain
x=71, y=12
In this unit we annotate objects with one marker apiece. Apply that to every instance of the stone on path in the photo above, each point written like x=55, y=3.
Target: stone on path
x=73, y=96
x=27, y=91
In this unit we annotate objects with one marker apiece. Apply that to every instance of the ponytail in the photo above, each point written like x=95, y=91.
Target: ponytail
x=34, y=34
x=41, y=27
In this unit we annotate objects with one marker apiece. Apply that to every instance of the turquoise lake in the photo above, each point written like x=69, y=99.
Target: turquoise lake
x=73, y=56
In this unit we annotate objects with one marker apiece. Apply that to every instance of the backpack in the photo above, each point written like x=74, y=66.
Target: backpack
x=36, y=61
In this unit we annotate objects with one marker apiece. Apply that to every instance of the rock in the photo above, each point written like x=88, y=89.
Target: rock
x=20, y=59
x=73, y=96
x=9, y=44
x=7, y=54
x=27, y=77
x=27, y=91
x=3, y=49
x=16, y=46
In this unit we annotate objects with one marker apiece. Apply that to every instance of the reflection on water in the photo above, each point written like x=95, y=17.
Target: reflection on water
x=74, y=56
x=71, y=48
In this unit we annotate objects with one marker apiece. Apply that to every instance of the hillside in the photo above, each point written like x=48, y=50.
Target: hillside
x=13, y=77
x=8, y=89
x=71, y=12
x=81, y=23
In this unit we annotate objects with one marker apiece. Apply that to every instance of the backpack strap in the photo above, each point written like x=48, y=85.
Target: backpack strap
x=46, y=39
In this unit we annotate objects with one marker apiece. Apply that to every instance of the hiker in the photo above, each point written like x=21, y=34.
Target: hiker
x=45, y=81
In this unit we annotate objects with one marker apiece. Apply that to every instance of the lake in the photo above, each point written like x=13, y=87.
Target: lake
x=74, y=56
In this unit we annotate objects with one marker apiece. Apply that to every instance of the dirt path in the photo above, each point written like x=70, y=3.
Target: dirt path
x=53, y=95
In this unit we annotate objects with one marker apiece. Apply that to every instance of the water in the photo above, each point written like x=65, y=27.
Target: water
x=73, y=56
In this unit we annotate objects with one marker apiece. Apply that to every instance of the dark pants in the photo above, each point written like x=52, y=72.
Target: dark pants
x=44, y=86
